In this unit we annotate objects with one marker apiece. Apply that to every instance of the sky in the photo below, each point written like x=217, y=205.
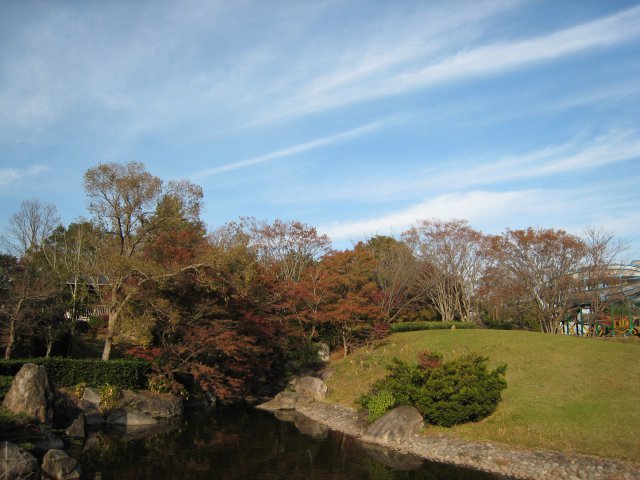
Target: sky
x=357, y=117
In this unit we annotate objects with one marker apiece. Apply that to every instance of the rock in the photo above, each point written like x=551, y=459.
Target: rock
x=395, y=426
x=76, y=429
x=30, y=393
x=325, y=374
x=92, y=417
x=285, y=401
x=49, y=442
x=285, y=415
x=156, y=405
x=130, y=418
x=323, y=353
x=92, y=396
x=396, y=460
x=60, y=466
x=15, y=462
x=311, y=387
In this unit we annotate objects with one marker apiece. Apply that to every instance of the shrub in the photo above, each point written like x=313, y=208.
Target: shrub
x=109, y=395
x=67, y=372
x=377, y=404
x=415, y=326
x=5, y=385
x=78, y=389
x=459, y=391
x=166, y=383
x=428, y=359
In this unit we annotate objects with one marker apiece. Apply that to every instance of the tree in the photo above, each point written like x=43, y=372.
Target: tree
x=396, y=274
x=541, y=265
x=28, y=282
x=350, y=293
x=70, y=253
x=130, y=206
x=452, y=263
x=29, y=227
x=598, y=274
x=286, y=247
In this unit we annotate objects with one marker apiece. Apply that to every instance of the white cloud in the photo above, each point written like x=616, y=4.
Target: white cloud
x=11, y=175
x=294, y=150
x=571, y=209
x=477, y=206
x=380, y=78
x=579, y=154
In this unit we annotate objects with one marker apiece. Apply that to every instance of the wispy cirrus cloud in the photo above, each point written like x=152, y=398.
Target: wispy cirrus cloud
x=383, y=79
x=290, y=151
x=579, y=154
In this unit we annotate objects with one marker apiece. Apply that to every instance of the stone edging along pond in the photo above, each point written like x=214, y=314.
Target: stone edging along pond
x=524, y=464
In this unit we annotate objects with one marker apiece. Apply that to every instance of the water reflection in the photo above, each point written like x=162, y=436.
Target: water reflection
x=250, y=444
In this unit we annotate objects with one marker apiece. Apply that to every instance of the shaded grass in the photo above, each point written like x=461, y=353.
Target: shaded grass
x=564, y=393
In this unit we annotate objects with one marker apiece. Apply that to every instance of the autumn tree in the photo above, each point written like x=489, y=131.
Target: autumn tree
x=451, y=262
x=350, y=293
x=210, y=323
x=541, y=266
x=130, y=206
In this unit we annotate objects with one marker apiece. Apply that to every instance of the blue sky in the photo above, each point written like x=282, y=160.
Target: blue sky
x=358, y=117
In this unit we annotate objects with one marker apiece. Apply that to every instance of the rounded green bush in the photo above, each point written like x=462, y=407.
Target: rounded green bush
x=458, y=391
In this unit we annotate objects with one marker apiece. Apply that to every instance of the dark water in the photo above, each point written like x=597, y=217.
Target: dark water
x=250, y=444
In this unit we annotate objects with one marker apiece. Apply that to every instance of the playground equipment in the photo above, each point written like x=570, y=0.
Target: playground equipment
x=623, y=320
x=623, y=296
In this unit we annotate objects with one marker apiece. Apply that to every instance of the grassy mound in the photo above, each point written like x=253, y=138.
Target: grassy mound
x=564, y=393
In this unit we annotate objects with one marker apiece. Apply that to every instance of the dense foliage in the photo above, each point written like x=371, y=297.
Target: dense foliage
x=67, y=372
x=232, y=312
x=5, y=385
x=461, y=390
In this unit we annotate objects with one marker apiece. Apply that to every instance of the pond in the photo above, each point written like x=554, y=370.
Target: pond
x=244, y=443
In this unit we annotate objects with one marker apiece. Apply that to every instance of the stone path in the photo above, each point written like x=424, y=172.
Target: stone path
x=525, y=464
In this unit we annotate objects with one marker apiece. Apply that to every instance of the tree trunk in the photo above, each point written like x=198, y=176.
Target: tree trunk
x=12, y=340
x=108, y=341
x=344, y=344
x=106, y=351
x=49, y=346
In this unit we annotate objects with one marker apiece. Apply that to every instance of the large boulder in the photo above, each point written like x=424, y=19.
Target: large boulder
x=156, y=405
x=311, y=387
x=285, y=401
x=397, y=425
x=60, y=466
x=91, y=398
x=130, y=418
x=77, y=428
x=15, y=462
x=30, y=393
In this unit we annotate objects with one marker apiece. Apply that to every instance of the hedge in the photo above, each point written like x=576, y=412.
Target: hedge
x=5, y=385
x=68, y=372
x=414, y=326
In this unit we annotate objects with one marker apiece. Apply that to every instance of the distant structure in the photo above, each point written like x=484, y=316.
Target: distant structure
x=622, y=294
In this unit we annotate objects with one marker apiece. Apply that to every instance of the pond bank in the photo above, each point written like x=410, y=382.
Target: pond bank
x=489, y=457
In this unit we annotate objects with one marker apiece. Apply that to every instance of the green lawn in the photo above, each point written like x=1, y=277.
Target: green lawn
x=564, y=393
